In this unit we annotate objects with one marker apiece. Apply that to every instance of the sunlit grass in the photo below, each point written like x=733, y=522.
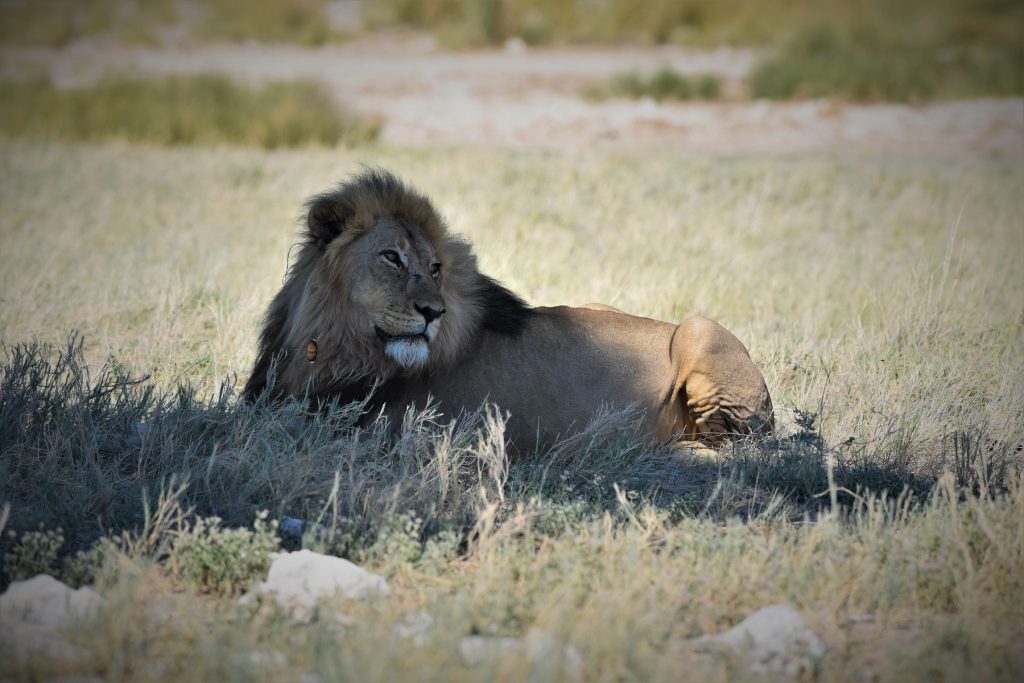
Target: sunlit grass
x=881, y=297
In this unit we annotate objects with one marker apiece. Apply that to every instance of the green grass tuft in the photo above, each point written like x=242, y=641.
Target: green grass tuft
x=663, y=84
x=183, y=110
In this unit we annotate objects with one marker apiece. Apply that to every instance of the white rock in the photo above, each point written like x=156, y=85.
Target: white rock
x=774, y=640
x=299, y=581
x=45, y=601
x=34, y=612
x=25, y=641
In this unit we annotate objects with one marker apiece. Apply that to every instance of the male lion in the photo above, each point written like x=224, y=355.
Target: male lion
x=382, y=294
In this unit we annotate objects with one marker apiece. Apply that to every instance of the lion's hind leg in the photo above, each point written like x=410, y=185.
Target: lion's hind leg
x=721, y=393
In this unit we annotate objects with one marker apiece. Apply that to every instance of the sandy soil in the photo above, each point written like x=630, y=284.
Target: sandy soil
x=531, y=97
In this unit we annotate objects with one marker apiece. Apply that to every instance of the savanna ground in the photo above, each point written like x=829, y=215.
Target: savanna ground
x=881, y=293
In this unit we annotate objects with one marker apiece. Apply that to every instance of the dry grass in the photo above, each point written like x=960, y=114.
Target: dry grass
x=883, y=297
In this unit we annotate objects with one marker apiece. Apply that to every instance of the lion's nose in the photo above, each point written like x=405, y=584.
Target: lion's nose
x=429, y=314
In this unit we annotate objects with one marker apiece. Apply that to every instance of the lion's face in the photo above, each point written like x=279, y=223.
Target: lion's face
x=396, y=278
x=379, y=286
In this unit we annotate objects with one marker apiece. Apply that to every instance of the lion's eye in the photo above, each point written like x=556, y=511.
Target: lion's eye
x=392, y=257
x=435, y=269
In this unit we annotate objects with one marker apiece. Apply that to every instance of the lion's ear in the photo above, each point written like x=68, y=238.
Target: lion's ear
x=326, y=220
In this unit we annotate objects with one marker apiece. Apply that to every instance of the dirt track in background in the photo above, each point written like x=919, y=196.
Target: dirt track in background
x=531, y=97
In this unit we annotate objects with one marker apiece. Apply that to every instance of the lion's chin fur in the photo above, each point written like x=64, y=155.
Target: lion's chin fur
x=410, y=354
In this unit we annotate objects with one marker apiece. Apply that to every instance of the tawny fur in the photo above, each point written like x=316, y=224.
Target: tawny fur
x=376, y=258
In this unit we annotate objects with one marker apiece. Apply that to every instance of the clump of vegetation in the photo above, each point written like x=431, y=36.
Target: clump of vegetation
x=35, y=552
x=664, y=84
x=872, y=62
x=85, y=567
x=177, y=110
x=224, y=561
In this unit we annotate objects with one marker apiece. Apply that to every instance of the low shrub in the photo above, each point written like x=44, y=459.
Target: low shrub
x=224, y=561
x=34, y=552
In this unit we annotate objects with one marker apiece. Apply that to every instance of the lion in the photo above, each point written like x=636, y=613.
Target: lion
x=383, y=303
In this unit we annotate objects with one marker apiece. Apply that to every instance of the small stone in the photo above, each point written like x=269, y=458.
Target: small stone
x=299, y=581
x=45, y=601
x=774, y=640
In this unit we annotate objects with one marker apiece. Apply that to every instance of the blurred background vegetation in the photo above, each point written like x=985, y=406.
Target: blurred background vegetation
x=199, y=109
x=850, y=50
x=856, y=49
